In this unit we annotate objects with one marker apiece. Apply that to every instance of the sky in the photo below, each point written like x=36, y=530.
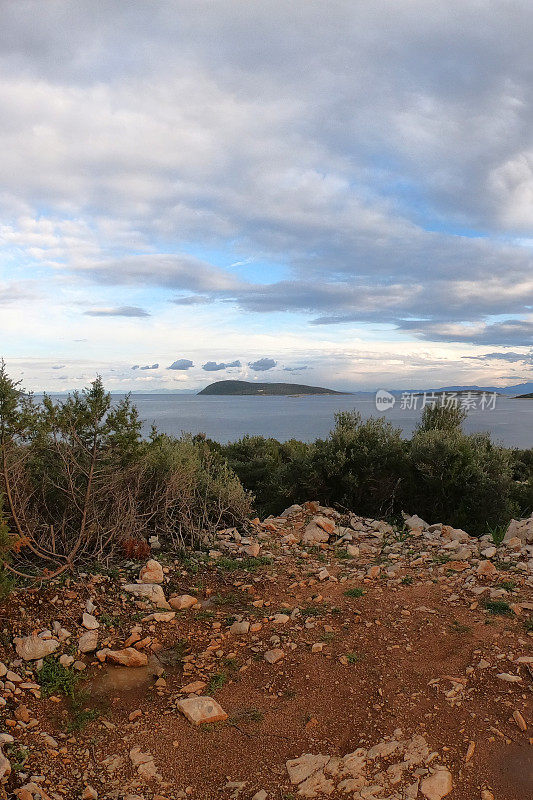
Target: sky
x=335, y=193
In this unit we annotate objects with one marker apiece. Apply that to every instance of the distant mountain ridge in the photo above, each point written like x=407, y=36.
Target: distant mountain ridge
x=263, y=389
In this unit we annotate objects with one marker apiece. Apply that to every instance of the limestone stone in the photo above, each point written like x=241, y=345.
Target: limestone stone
x=438, y=785
x=31, y=648
x=200, y=710
x=88, y=641
x=183, y=602
x=152, y=572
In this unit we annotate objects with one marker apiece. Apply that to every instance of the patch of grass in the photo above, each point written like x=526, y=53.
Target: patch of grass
x=498, y=607
x=216, y=682
x=54, y=677
x=509, y=586
x=310, y=611
x=354, y=658
x=497, y=534
x=504, y=566
x=328, y=637
x=247, y=715
x=400, y=533
x=441, y=558
x=230, y=599
x=18, y=756
x=204, y=614
x=80, y=715
x=356, y=591
x=248, y=564
x=407, y=580
x=458, y=627
x=109, y=620
x=528, y=624
x=342, y=553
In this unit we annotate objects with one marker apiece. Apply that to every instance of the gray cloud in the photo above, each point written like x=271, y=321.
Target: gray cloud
x=16, y=291
x=405, y=207
x=262, y=365
x=213, y=366
x=192, y=300
x=151, y=366
x=294, y=369
x=508, y=332
x=181, y=364
x=117, y=311
x=507, y=356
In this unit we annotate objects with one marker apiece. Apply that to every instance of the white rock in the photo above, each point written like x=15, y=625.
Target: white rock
x=149, y=591
x=520, y=529
x=438, y=785
x=301, y=768
x=31, y=648
x=506, y=676
x=89, y=622
x=415, y=522
x=239, y=628
x=88, y=641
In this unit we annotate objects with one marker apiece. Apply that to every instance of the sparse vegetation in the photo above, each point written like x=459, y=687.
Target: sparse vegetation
x=79, y=482
x=499, y=607
x=216, y=682
x=54, y=678
x=355, y=592
x=354, y=658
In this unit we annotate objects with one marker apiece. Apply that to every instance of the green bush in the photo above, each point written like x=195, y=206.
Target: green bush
x=361, y=466
x=276, y=473
x=462, y=480
x=79, y=479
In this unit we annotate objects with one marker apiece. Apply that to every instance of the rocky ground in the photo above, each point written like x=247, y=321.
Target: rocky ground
x=324, y=655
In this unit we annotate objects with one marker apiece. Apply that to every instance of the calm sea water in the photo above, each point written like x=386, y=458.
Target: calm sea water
x=306, y=418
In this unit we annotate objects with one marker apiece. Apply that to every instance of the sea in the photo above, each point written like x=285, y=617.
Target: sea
x=226, y=418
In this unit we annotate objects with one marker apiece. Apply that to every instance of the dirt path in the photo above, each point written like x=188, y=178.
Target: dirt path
x=416, y=654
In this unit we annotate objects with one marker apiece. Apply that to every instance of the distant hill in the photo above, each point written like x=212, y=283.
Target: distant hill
x=524, y=396
x=249, y=388
x=517, y=388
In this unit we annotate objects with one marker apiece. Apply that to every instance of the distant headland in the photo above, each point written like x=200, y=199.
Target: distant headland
x=263, y=389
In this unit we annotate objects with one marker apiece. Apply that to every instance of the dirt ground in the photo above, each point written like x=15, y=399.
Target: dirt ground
x=418, y=651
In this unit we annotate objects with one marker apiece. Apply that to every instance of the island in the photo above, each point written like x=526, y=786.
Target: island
x=263, y=389
x=528, y=396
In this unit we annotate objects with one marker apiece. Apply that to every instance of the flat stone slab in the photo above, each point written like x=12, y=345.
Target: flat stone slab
x=31, y=648
x=200, y=710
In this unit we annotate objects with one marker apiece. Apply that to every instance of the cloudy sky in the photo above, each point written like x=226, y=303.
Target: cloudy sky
x=336, y=193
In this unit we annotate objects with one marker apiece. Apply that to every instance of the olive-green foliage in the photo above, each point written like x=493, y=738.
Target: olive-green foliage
x=360, y=465
x=79, y=477
x=441, y=473
x=276, y=473
x=437, y=417
x=189, y=487
x=461, y=479
x=53, y=677
x=6, y=579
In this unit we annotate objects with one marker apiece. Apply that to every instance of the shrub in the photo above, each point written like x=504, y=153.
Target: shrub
x=78, y=480
x=442, y=418
x=276, y=473
x=461, y=479
x=361, y=465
